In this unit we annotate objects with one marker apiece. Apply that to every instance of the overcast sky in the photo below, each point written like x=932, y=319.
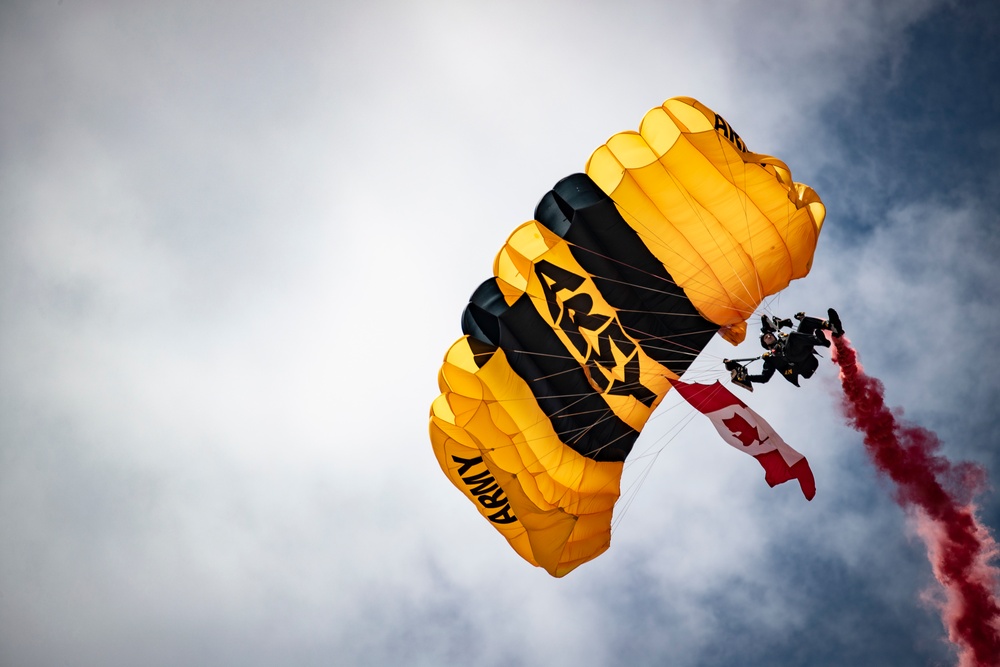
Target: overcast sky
x=236, y=239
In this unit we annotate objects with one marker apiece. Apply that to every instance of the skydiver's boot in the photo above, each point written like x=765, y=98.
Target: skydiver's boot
x=782, y=323
x=835, y=325
x=765, y=325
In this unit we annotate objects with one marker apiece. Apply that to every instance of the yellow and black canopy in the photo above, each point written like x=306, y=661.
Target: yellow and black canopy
x=673, y=234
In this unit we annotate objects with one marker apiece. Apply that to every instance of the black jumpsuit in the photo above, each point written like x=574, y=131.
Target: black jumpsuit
x=795, y=356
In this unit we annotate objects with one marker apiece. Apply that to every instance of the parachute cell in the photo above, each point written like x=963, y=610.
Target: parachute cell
x=673, y=234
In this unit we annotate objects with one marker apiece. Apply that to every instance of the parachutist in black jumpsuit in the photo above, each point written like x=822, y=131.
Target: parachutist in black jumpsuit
x=793, y=355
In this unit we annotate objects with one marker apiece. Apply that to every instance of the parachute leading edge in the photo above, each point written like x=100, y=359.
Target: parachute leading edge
x=674, y=234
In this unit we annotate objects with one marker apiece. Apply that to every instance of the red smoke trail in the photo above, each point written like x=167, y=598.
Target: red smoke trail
x=960, y=550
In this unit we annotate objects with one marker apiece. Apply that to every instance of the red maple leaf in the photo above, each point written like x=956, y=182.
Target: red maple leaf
x=743, y=430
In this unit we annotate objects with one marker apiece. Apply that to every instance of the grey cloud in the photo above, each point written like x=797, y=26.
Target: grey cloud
x=237, y=241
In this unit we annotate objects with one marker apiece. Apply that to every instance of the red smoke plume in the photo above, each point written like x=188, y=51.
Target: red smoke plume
x=940, y=494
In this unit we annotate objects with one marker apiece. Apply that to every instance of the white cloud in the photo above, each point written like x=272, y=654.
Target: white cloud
x=237, y=243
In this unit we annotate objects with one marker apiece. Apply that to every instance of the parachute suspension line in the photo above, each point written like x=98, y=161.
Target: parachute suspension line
x=675, y=347
x=790, y=210
x=540, y=299
x=742, y=201
x=634, y=459
x=666, y=281
x=684, y=349
x=647, y=341
x=689, y=289
x=648, y=460
x=694, y=206
x=647, y=457
x=742, y=198
x=556, y=446
x=629, y=494
x=538, y=454
x=699, y=285
x=653, y=238
x=647, y=335
x=615, y=260
x=697, y=209
x=607, y=414
x=579, y=477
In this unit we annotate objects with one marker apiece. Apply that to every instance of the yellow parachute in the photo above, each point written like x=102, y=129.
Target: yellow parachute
x=674, y=233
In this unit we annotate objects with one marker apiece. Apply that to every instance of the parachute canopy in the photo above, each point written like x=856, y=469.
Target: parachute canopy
x=672, y=235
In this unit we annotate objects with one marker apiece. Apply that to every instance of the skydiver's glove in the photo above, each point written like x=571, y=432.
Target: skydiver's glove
x=800, y=316
x=730, y=365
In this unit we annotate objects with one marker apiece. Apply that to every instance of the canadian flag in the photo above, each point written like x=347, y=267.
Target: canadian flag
x=747, y=431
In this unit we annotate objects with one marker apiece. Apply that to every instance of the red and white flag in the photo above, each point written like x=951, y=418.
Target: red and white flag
x=747, y=431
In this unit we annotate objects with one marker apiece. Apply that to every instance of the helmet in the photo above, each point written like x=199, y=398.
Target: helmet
x=768, y=339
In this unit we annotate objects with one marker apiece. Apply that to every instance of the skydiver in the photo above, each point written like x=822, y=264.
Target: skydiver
x=792, y=354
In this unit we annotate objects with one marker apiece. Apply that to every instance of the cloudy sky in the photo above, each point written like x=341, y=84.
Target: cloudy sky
x=236, y=239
